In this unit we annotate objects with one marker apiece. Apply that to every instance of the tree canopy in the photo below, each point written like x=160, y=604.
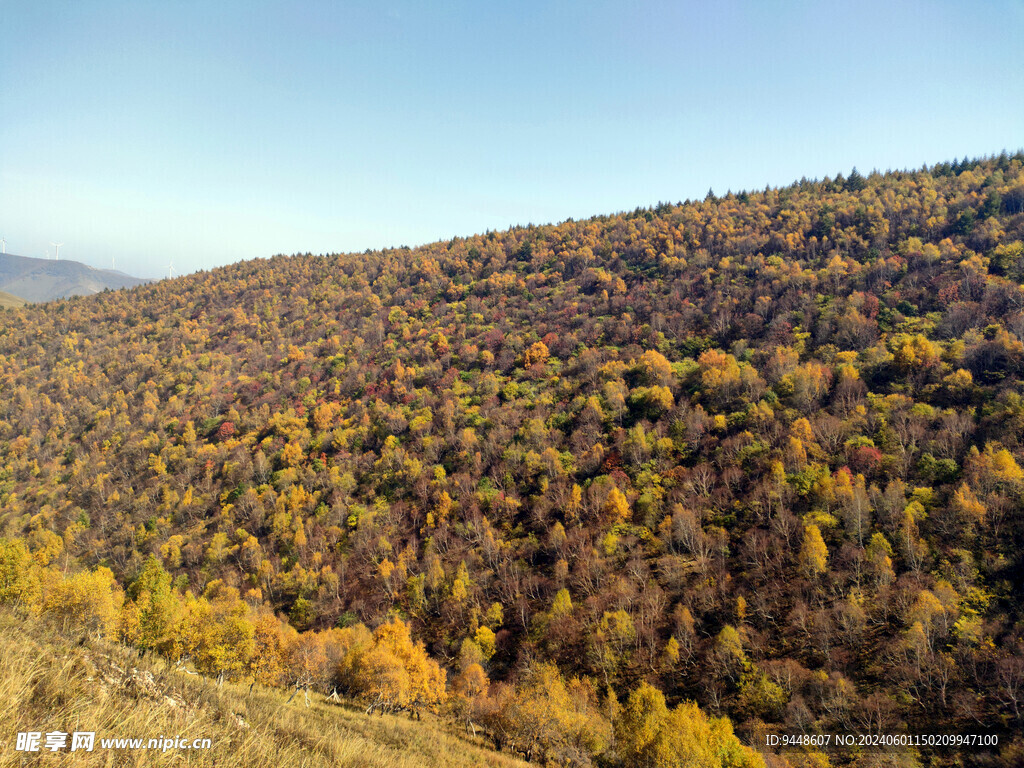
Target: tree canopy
x=761, y=452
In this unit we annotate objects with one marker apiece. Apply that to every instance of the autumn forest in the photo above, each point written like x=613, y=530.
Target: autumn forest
x=638, y=490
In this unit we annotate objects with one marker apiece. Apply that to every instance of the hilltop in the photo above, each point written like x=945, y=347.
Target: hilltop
x=759, y=451
x=44, y=280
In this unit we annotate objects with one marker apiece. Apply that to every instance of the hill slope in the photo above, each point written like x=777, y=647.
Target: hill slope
x=51, y=683
x=45, y=280
x=9, y=300
x=761, y=450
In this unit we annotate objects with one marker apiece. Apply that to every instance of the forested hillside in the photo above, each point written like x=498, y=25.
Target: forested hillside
x=761, y=452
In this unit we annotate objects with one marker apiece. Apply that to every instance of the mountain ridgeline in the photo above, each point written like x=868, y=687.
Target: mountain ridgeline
x=31, y=279
x=761, y=452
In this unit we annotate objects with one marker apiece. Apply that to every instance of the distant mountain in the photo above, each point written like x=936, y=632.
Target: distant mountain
x=44, y=280
x=9, y=300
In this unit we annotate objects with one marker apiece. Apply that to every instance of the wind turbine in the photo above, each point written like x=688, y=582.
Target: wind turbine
x=56, y=250
x=4, y=244
x=170, y=270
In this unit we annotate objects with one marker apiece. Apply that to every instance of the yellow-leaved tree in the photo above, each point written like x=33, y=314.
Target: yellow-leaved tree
x=547, y=718
x=398, y=674
x=813, y=552
x=216, y=632
x=654, y=368
x=19, y=575
x=88, y=601
x=647, y=733
x=267, y=663
x=616, y=506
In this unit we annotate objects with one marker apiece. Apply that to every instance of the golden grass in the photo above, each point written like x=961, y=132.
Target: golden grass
x=49, y=683
x=10, y=301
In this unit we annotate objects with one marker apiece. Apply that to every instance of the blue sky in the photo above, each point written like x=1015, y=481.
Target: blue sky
x=204, y=133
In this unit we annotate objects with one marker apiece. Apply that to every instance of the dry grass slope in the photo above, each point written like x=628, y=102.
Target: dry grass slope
x=10, y=301
x=54, y=683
